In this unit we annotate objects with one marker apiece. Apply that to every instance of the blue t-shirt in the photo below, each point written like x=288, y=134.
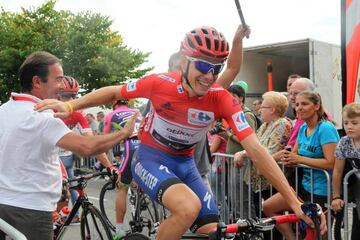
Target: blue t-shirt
x=311, y=146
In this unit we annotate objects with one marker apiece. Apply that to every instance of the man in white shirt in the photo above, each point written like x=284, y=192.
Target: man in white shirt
x=30, y=176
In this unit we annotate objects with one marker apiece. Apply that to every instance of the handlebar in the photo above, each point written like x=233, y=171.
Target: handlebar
x=254, y=226
x=87, y=177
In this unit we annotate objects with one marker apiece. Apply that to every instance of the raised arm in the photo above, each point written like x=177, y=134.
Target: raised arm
x=235, y=58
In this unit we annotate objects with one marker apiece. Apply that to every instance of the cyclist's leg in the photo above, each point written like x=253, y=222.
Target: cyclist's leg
x=273, y=206
x=68, y=162
x=130, y=147
x=154, y=171
x=208, y=216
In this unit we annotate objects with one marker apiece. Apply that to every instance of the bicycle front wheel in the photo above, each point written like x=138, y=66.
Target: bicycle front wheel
x=135, y=236
x=93, y=226
x=107, y=203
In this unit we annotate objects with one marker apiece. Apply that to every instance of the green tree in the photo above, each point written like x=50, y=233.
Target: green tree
x=91, y=52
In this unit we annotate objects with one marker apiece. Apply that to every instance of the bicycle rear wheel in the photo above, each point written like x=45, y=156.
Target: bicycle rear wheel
x=107, y=203
x=93, y=226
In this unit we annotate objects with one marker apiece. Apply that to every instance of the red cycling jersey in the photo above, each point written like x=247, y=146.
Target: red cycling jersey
x=176, y=121
x=77, y=118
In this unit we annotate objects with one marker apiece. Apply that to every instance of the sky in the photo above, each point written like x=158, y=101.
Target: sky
x=158, y=26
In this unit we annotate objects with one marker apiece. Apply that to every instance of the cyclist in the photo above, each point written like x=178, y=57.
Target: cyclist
x=115, y=121
x=184, y=106
x=77, y=122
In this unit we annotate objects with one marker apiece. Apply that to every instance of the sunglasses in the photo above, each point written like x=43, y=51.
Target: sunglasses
x=205, y=67
x=68, y=95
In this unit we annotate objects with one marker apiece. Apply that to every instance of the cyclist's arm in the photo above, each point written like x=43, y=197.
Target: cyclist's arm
x=235, y=59
x=271, y=171
x=90, y=145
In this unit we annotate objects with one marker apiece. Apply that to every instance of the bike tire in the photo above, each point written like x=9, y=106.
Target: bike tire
x=145, y=214
x=93, y=225
x=107, y=203
x=135, y=236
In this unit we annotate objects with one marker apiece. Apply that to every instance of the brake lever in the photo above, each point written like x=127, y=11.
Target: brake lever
x=314, y=211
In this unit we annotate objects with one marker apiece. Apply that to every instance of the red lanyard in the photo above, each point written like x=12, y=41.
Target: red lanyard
x=21, y=98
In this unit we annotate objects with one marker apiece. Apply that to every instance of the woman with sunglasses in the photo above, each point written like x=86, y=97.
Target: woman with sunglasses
x=184, y=105
x=76, y=120
x=348, y=154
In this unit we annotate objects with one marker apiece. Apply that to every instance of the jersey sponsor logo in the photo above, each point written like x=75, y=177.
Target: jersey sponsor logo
x=207, y=199
x=146, y=177
x=131, y=86
x=167, y=78
x=240, y=121
x=180, y=89
x=198, y=117
x=164, y=168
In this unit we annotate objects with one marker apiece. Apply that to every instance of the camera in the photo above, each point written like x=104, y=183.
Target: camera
x=216, y=129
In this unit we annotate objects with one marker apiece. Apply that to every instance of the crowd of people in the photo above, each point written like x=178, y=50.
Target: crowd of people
x=168, y=152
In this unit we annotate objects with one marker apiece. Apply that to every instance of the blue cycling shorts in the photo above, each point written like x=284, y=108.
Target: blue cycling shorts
x=155, y=171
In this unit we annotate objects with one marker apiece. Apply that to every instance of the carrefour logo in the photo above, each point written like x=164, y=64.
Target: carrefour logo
x=198, y=117
x=240, y=121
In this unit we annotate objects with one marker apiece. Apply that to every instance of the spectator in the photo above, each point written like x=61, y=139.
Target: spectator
x=348, y=154
x=217, y=144
x=256, y=107
x=100, y=117
x=233, y=144
x=30, y=175
x=298, y=86
x=275, y=126
x=290, y=113
x=92, y=122
x=315, y=147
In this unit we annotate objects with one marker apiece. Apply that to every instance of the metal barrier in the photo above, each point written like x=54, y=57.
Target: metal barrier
x=231, y=200
x=10, y=231
x=346, y=201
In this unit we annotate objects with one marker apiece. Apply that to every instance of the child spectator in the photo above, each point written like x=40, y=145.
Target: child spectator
x=348, y=152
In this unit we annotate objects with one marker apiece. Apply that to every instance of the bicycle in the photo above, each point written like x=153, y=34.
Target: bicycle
x=251, y=229
x=92, y=223
x=144, y=212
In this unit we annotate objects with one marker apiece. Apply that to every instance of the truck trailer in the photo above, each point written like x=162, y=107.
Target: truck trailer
x=316, y=60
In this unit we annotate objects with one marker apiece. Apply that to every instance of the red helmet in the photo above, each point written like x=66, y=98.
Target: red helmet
x=71, y=85
x=205, y=42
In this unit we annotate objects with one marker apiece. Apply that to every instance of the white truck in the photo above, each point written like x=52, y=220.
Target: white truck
x=318, y=61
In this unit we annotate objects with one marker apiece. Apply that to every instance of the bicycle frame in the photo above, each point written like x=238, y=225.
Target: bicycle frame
x=82, y=201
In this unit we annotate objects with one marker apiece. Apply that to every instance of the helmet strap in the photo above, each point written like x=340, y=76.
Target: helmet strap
x=186, y=73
